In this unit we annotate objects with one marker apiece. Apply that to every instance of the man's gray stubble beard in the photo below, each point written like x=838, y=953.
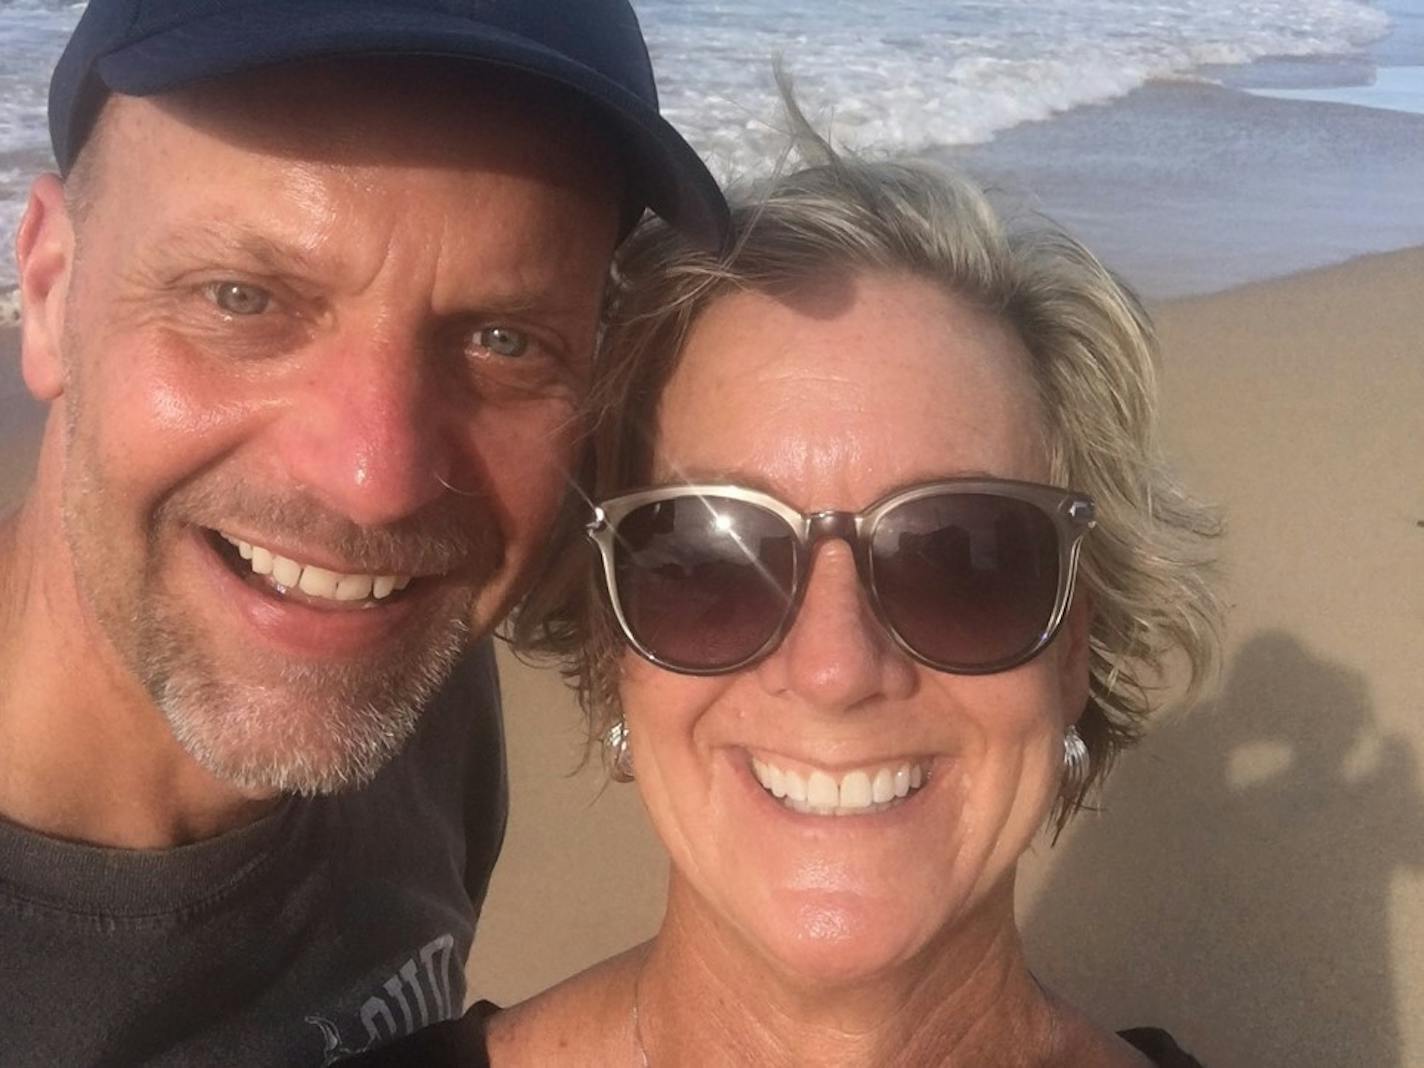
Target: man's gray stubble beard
x=352, y=721
x=303, y=728
x=356, y=718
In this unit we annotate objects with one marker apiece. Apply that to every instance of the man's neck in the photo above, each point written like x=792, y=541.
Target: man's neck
x=84, y=753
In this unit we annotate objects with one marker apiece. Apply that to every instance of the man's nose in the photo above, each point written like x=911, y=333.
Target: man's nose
x=369, y=434
x=837, y=655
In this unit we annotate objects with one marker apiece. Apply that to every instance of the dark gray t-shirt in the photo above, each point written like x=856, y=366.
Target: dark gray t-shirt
x=331, y=925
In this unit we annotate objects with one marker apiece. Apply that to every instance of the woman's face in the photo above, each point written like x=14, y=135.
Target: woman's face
x=828, y=398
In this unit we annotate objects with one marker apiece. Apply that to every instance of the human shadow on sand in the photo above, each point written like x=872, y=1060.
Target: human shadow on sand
x=1236, y=887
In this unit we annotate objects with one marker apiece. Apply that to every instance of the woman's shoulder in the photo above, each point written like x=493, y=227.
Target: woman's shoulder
x=586, y=1019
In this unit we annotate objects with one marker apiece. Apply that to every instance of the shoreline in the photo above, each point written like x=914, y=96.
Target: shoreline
x=1187, y=187
x=1193, y=183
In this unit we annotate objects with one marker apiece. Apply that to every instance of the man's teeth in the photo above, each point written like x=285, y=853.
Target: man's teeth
x=857, y=792
x=316, y=581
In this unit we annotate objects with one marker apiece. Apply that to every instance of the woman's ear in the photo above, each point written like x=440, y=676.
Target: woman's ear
x=44, y=250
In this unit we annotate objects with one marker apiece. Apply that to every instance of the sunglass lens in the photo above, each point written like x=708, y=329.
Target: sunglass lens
x=703, y=582
x=968, y=580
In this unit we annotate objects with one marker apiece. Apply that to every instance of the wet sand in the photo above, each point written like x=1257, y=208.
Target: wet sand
x=1189, y=188
x=20, y=420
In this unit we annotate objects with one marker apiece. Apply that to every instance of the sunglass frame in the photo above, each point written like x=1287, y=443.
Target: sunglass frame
x=1073, y=514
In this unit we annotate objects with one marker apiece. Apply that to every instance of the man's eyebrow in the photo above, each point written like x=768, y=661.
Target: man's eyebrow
x=520, y=293
x=220, y=242
x=550, y=301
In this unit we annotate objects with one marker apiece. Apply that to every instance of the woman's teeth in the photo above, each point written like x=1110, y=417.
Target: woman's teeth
x=856, y=793
x=316, y=581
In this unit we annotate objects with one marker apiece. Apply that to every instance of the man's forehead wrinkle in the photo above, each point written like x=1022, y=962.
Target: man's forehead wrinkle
x=220, y=241
x=483, y=265
x=453, y=233
x=151, y=150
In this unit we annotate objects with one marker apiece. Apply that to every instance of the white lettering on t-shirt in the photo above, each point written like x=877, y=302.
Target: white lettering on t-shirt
x=417, y=995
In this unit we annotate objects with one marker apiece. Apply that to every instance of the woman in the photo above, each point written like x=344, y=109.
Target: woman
x=887, y=564
x=845, y=482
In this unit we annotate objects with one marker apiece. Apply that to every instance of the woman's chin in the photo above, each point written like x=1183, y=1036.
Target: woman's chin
x=838, y=943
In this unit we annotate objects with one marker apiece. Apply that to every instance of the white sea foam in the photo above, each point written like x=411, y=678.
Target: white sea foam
x=32, y=34
x=890, y=74
x=911, y=74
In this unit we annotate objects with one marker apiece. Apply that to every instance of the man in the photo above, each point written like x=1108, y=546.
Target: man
x=313, y=308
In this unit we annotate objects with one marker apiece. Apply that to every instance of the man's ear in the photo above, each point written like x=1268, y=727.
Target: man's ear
x=44, y=250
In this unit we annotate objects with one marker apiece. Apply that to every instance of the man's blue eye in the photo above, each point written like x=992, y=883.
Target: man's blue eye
x=237, y=298
x=503, y=341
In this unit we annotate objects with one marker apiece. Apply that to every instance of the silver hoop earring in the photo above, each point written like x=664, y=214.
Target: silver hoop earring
x=620, y=753
x=1075, y=764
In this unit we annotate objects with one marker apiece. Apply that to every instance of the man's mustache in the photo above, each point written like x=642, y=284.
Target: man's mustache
x=449, y=534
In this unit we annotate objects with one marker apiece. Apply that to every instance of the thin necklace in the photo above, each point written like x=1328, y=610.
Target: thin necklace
x=638, y=1045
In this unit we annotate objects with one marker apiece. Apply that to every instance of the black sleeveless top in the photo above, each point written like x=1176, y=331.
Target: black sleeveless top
x=1160, y=1048
x=461, y=1044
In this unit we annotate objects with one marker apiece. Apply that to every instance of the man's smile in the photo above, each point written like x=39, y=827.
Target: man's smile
x=282, y=575
x=316, y=611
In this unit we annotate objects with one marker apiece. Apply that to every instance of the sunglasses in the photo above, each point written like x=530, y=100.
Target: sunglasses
x=968, y=575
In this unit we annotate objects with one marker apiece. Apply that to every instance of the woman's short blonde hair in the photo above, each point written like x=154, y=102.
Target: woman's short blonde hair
x=1146, y=568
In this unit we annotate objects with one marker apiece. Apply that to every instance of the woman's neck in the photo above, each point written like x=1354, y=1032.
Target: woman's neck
x=704, y=996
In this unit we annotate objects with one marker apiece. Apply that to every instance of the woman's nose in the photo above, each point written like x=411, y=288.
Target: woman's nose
x=837, y=655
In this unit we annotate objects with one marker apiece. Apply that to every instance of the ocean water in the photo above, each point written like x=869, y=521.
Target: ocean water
x=920, y=74
x=899, y=76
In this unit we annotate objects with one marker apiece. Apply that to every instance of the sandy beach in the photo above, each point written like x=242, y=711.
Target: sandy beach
x=20, y=419
x=1255, y=879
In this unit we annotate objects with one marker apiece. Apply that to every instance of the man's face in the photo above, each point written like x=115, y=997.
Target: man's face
x=323, y=345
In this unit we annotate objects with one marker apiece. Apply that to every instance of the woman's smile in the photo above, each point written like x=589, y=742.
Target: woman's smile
x=869, y=788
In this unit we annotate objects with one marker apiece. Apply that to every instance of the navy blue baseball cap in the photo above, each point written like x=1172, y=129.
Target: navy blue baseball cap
x=593, y=48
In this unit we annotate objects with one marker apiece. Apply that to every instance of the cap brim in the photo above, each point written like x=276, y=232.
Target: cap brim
x=665, y=173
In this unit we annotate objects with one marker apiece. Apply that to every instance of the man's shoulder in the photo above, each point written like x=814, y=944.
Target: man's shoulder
x=453, y=774
x=454, y=763
x=471, y=692
x=461, y=728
